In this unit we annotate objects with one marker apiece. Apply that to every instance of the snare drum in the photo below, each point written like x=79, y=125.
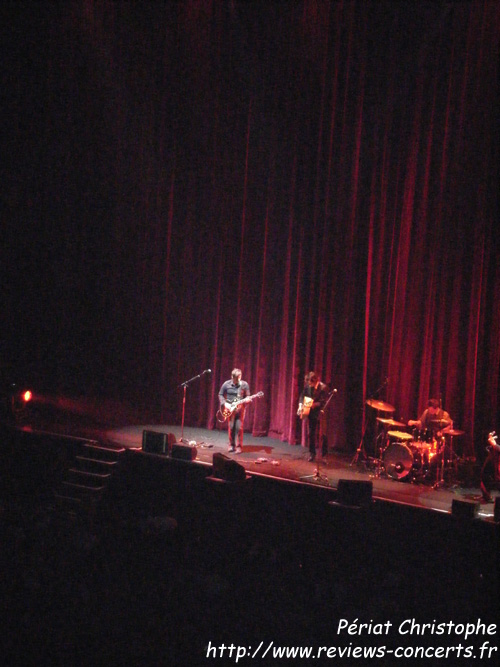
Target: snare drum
x=399, y=436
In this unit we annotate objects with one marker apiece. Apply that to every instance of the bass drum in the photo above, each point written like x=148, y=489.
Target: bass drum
x=398, y=460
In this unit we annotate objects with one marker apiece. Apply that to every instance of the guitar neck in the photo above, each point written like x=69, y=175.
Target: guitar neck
x=247, y=399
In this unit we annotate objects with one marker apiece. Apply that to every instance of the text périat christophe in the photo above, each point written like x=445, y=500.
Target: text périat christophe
x=411, y=627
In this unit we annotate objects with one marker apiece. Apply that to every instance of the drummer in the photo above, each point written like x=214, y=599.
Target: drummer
x=433, y=417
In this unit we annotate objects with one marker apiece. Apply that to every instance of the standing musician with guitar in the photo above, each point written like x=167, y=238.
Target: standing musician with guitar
x=490, y=472
x=231, y=391
x=311, y=402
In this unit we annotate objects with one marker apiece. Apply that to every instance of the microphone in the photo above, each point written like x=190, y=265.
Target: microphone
x=207, y=371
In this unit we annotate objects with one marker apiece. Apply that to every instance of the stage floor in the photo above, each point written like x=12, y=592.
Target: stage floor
x=273, y=458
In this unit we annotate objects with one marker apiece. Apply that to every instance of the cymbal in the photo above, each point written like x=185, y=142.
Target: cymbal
x=454, y=432
x=390, y=422
x=441, y=423
x=380, y=405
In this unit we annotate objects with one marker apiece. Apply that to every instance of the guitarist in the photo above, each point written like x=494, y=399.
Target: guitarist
x=317, y=391
x=490, y=472
x=234, y=390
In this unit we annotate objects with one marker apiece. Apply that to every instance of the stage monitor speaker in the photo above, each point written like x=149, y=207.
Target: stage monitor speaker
x=464, y=509
x=183, y=452
x=155, y=442
x=225, y=468
x=354, y=493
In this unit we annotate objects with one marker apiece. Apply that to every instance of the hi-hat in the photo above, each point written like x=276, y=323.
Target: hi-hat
x=390, y=422
x=453, y=432
x=380, y=405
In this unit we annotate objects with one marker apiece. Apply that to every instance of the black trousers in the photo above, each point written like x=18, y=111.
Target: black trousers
x=313, y=435
x=489, y=473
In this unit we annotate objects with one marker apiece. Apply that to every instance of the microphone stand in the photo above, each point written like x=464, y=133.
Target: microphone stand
x=317, y=476
x=184, y=385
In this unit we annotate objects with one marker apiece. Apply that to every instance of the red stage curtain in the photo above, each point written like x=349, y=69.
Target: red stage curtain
x=282, y=190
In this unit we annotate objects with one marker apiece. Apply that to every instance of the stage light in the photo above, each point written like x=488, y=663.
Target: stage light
x=19, y=400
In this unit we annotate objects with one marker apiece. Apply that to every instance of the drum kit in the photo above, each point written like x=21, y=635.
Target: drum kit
x=424, y=455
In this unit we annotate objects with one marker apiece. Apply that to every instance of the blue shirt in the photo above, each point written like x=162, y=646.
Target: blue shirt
x=230, y=392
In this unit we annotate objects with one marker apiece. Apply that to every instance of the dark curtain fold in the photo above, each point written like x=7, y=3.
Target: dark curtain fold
x=281, y=188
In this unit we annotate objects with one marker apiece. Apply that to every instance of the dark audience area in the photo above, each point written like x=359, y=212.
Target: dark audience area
x=170, y=558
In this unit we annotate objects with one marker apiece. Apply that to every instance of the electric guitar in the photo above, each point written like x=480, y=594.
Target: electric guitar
x=228, y=409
